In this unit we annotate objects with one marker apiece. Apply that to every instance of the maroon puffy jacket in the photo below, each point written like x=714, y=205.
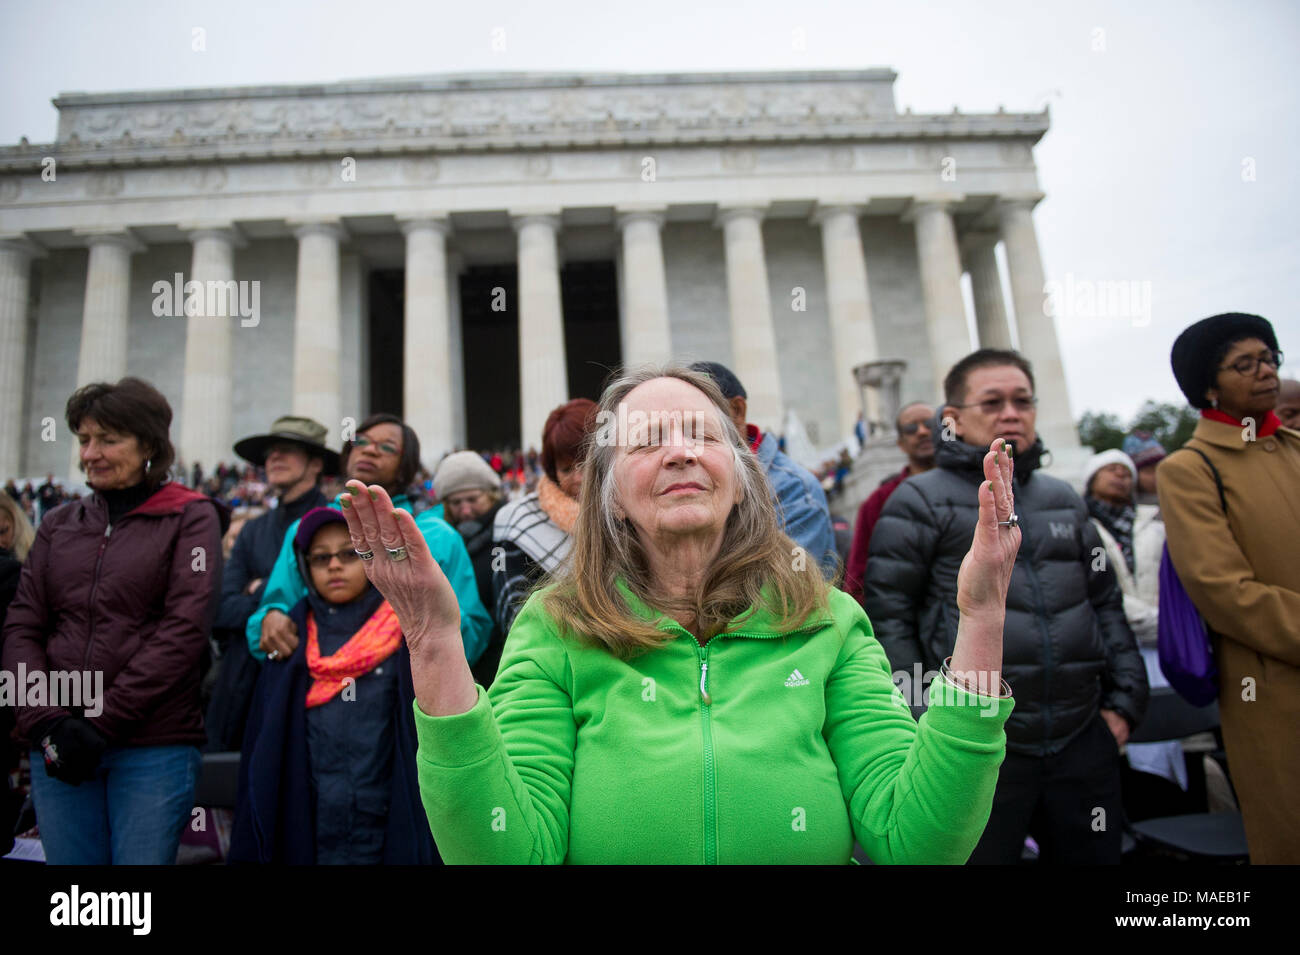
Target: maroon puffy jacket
x=134, y=601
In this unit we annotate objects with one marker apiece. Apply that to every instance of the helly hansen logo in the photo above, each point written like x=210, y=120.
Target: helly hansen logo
x=796, y=679
x=1062, y=529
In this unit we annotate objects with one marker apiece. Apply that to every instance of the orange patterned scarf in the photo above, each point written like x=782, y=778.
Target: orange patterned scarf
x=559, y=507
x=376, y=641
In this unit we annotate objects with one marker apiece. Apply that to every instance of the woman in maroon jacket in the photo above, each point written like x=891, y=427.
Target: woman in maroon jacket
x=106, y=634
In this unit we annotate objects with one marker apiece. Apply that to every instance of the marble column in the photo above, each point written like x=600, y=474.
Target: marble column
x=753, y=339
x=1035, y=327
x=940, y=267
x=647, y=338
x=16, y=254
x=426, y=377
x=455, y=266
x=317, y=324
x=543, y=374
x=853, y=330
x=979, y=257
x=104, y=322
x=207, y=398
x=105, y=315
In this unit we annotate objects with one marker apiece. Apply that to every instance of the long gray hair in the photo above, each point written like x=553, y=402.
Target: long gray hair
x=756, y=564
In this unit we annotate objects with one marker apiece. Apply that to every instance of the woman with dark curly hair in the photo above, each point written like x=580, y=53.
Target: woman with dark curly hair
x=113, y=611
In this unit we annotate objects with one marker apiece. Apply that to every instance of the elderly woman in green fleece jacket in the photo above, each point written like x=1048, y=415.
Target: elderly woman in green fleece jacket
x=690, y=691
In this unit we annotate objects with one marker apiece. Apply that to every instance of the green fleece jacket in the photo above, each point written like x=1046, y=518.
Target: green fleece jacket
x=761, y=747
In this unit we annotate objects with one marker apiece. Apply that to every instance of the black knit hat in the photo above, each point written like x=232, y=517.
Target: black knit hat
x=723, y=377
x=1197, y=348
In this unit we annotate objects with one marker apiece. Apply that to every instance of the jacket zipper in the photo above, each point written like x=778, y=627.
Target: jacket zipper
x=706, y=728
x=710, y=787
x=90, y=614
x=1047, y=639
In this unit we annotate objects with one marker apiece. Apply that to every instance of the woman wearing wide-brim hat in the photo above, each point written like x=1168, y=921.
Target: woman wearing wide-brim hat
x=1239, y=560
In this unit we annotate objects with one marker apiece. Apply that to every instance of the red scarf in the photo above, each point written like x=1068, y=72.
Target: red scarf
x=755, y=437
x=376, y=641
x=1271, y=421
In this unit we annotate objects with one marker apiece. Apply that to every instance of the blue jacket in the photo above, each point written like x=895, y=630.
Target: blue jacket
x=801, y=505
x=275, y=813
x=285, y=587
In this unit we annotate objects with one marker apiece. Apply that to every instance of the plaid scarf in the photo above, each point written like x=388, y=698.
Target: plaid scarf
x=376, y=641
x=1118, y=519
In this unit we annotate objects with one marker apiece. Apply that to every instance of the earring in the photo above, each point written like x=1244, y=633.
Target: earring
x=1214, y=403
x=148, y=465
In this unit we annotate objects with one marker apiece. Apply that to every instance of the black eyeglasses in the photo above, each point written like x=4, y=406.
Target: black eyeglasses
x=991, y=406
x=911, y=427
x=364, y=442
x=321, y=561
x=1249, y=364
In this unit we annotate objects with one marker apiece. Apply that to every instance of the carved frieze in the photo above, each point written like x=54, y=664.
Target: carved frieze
x=102, y=185
x=464, y=110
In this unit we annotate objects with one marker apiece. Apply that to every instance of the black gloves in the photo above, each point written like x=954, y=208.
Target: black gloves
x=72, y=749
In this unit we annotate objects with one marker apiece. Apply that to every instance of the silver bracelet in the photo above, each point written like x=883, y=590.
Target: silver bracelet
x=945, y=671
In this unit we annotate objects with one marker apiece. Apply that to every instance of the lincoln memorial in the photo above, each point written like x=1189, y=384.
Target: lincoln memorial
x=469, y=251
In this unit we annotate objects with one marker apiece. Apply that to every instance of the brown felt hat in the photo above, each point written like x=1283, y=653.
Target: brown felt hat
x=303, y=431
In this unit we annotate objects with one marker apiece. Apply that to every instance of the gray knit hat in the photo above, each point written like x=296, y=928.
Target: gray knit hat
x=463, y=471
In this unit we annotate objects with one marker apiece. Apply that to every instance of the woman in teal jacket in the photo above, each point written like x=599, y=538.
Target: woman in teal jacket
x=692, y=691
x=386, y=452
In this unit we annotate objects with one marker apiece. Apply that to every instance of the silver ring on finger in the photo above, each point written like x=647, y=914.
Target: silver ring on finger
x=273, y=655
x=396, y=553
x=365, y=554
x=1014, y=522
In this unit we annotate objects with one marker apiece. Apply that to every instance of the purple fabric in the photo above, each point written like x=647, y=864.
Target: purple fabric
x=313, y=521
x=1186, y=657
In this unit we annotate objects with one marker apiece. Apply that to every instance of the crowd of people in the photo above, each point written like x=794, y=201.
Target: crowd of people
x=651, y=649
x=38, y=501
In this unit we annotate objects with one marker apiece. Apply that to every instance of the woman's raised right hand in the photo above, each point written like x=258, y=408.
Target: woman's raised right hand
x=415, y=587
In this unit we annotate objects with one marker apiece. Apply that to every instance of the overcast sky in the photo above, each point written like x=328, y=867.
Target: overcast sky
x=1171, y=159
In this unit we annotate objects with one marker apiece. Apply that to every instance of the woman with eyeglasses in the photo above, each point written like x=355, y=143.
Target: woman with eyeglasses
x=1237, y=552
x=385, y=452
x=328, y=770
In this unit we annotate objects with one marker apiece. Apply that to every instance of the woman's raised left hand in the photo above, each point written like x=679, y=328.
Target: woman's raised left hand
x=414, y=585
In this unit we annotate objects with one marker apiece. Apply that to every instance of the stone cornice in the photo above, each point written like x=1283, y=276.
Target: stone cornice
x=460, y=82
x=127, y=151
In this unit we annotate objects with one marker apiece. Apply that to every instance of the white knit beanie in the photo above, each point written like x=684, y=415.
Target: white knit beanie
x=463, y=471
x=1103, y=458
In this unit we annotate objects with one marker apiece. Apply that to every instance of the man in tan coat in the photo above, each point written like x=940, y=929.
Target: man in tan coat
x=1242, y=568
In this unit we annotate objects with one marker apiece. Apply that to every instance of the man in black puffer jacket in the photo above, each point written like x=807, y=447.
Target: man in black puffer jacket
x=1068, y=653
